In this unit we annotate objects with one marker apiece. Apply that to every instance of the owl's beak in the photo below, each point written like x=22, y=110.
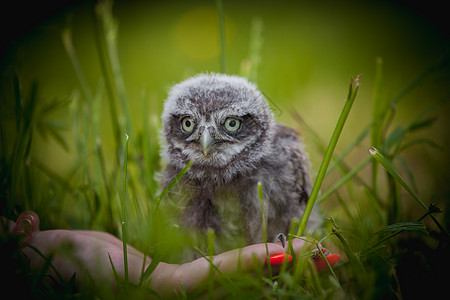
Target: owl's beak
x=207, y=139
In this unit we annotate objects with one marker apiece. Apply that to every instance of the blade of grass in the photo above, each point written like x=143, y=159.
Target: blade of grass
x=150, y=149
x=294, y=223
x=408, y=171
x=326, y=260
x=377, y=126
x=375, y=204
x=177, y=178
x=101, y=177
x=419, y=121
x=403, y=226
x=353, y=91
x=183, y=293
x=83, y=111
x=213, y=266
x=156, y=259
x=8, y=161
x=413, y=83
x=48, y=263
x=146, y=148
x=250, y=65
x=63, y=181
x=318, y=142
x=344, y=179
x=52, y=129
x=211, y=270
x=345, y=208
x=390, y=168
x=116, y=276
x=109, y=26
x=91, y=116
x=396, y=138
x=421, y=141
x=17, y=102
x=68, y=45
x=264, y=225
x=99, y=33
x=343, y=168
x=316, y=243
x=223, y=61
x=398, y=228
x=124, y=211
x=29, y=111
x=350, y=147
x=356, y=266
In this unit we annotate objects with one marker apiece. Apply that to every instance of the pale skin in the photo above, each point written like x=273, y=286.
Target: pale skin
x=90, y=251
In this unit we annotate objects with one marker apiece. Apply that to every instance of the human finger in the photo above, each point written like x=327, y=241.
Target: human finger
x=27, y=224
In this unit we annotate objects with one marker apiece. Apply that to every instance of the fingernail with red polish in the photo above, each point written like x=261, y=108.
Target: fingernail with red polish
x=278, y=259
x=331, y=258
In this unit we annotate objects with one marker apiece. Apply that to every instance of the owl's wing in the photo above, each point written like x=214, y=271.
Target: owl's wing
x=289, y=185
x=294, y=161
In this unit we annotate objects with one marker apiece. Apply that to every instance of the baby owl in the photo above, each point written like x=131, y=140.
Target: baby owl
x=224, y=125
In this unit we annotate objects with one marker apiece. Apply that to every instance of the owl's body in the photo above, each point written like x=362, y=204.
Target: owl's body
x=224, y=125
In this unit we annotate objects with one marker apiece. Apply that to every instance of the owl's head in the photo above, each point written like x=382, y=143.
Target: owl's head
x=217, y=121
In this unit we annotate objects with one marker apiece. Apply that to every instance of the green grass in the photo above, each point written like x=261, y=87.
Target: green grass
x=117, y=190
x=353, y=91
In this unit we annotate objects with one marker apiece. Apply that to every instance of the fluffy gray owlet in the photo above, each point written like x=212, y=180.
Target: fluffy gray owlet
x=225, y=126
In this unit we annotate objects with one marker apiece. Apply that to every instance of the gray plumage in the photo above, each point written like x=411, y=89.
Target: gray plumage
x=225, y=126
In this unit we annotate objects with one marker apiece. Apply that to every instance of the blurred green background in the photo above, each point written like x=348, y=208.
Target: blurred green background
x=62, y=145
x=309, y=52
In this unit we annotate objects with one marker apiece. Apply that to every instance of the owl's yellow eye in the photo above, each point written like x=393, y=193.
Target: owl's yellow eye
x=188, y=124
x=232, y=124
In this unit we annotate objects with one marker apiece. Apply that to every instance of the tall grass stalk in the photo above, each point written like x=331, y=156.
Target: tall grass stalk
x=70, y=49
x=394, y=139
x=102, y=179
x=264, y=225
x=211, y=269
x=388, y=106
x=156, y=259
x=397, y=229
x=222, y=36
x=353, y=91
x=148, y=149
x=103, y=58
x=124, y=211
x=13, y=170
x=345, y=179
x=390, y=168
x=250, y=65
x=377, y=126
x=113, y=268
x=213, y=266
x=109, y=26
x=48, y=264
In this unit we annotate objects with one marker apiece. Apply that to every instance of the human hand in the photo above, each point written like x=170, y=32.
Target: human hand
x=88, y=254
